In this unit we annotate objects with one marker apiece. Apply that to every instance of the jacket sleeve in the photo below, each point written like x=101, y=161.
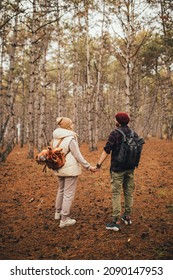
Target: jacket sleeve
x=110, y=142
x=74, y=148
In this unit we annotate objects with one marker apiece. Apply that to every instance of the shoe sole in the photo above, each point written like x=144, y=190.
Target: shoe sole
x=126, y=223
x=114, y=229
x=67, y=225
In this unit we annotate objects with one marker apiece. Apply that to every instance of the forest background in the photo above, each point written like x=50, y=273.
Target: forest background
x=85, y=60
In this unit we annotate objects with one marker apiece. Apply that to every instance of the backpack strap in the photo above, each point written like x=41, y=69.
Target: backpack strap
x=123, y=134
x=51, y=143
x=60, y=141
x=132, y=133
x=44, y=168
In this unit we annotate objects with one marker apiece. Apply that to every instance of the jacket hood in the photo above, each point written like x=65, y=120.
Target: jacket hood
x=62, y=132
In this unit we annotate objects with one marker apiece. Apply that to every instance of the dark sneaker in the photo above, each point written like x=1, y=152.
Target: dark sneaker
x=126, y=220
x=113, y=226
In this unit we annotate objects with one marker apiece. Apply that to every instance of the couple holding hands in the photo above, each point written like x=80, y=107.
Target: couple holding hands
x=68, y=174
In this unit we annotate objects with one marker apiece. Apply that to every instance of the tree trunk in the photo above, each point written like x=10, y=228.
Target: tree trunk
x=88, y=84
x=8, y=129
x=22, y=122
x=1, y=86
x=42, y=141
x=168, y=84
x=98, y=89
x=33, y=58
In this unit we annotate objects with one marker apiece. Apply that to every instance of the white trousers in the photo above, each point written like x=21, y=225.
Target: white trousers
x=65, y=194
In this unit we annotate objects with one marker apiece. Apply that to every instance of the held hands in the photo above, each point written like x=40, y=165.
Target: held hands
x=94, y=168
x=97, y=167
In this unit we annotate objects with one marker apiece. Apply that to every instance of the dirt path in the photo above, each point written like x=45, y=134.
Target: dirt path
x=28, y=229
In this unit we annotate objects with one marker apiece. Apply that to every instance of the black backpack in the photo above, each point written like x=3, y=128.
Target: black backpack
x=130, y=150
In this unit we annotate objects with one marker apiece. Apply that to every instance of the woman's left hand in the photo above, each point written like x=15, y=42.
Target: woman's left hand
x=92, y=168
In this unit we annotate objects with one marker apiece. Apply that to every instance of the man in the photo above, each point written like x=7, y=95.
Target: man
x=121, y=176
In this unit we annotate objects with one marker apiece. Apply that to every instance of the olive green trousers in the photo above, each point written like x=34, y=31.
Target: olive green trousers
x=122, y=181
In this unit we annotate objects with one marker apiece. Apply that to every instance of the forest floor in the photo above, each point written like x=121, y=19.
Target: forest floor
x=28, y=230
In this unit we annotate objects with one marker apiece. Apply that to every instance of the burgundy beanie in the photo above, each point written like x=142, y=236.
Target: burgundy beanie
x=122, y=118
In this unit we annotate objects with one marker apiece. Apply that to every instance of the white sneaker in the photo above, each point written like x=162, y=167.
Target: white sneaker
x=57, y=215
x=67, y=222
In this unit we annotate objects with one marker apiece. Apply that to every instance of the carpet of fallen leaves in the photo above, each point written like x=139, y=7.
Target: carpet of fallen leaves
x=29, y=231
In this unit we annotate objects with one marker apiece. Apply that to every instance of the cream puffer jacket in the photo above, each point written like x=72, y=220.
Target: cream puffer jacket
x=71, y=166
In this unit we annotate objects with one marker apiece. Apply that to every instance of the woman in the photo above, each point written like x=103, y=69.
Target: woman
x=67, y=175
